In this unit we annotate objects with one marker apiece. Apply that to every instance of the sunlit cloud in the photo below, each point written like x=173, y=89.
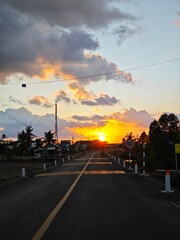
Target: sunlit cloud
x=52, y=50
x=103, y=100
x=40, y=101
x=114, y=126
x=79, y=91
x=62, y=96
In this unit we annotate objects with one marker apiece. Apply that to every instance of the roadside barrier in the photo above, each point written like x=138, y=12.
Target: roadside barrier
x=55, y=163
x=124, y=164
x=119, y=161
x=167, y=183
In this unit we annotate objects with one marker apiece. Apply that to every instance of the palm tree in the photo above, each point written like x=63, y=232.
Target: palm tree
x=3, y=136
x=25, y=138
x=49, y=136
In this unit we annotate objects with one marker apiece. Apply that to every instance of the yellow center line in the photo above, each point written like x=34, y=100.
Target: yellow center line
x=99, y=172
x=91, y=163
x=39, y=234
x=82, y=159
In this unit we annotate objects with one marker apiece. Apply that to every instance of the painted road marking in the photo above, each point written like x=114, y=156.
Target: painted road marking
x=103, y=172
x=91, y=163
x=82, y=159
x=39, y=234
x=95, y=172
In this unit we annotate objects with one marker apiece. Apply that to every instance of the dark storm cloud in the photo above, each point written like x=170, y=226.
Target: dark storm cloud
x=103, y=100
x=68, y=46
x=29, y=50
x=71, y=13
x=36, y=34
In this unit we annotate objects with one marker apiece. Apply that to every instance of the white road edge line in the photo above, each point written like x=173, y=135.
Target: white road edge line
x=39, y=234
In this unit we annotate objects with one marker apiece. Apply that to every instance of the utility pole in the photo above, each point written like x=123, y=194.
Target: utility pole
x=56, y=125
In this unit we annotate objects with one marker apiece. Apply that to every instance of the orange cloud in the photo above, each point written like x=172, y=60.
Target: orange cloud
x=114, y=131
x=41, y=101
x=51, y=69
x=79, y=91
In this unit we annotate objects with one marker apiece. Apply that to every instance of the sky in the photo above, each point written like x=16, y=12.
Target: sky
x=111, y=66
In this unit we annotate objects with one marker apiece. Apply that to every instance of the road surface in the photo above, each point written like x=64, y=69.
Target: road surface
x=90, y=197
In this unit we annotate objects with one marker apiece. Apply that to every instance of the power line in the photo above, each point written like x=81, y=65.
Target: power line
x=100, y=74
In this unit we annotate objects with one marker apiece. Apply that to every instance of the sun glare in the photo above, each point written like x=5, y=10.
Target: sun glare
x=102, y=138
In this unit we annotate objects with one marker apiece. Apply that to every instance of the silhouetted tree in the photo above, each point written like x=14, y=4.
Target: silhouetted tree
x=163, y=134
x=25, y=139
x=3, y=136
x=49, y=136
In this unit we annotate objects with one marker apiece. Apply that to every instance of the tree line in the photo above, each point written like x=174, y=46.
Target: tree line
x=164, y=133
x=159, y=149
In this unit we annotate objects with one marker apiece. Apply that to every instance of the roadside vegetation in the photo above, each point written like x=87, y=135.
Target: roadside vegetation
x=158, y=145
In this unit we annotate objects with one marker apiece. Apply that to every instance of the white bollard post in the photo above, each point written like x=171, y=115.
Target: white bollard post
x=136, y=168
x=119, y=161
x=112, y=157
x=144, y=155
x=44, y=166
x=167, y=183
x=63, y=160
x=144, y=164
x=55, y=162
x=23, y=172
x=69, y=158
x=124, y=164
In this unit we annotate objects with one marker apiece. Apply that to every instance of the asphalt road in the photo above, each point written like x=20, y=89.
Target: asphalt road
x=87, y=198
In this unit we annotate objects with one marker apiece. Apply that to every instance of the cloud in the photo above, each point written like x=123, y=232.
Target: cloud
x=177, y=23
x=13, y=121
x=16, y=101
x=82, y=95
x=86, y=118
x=118, y=123
x=94, y=67
x=62, y=96
x=37, y=43
x=123, y=32
x=40, y=101
x=79, y=91
x=103, y=100
x=69, y=13
x=141, y=118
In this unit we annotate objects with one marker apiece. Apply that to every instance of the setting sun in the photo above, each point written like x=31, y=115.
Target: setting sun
x=102, y=138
